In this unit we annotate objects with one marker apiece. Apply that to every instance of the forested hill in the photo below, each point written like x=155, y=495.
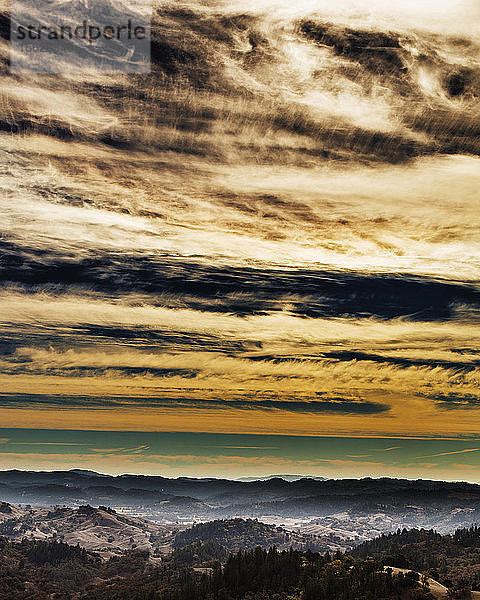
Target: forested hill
x=292, y=575
x=35, y=570
x=241, y=534
x=452, y=559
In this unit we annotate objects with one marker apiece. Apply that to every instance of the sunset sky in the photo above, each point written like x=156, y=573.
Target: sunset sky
x=262, y=258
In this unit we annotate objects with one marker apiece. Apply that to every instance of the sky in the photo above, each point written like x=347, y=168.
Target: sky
x=261, y=258
x=177, y=454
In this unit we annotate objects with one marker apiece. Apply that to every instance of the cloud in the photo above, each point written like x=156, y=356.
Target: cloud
x=403, y=362
x=250, y=447
x=358, y=455
x=135, y=450
x=48, y=444
x=332, y=405
x=452, y=401
x=464, y=466
x=447, y=453
x=314, y=293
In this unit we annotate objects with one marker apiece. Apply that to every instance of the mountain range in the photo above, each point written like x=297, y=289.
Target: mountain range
x=339, y=513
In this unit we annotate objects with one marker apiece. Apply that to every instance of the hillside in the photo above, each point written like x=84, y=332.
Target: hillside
x=452, y=559
x=104, y=530
x=101, y=529
x=237, y=534
x=41, y=570
x=346, y=511
x=38, y=570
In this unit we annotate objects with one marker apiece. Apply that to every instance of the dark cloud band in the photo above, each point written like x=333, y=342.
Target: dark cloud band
x=240, y=291
x=334, y=405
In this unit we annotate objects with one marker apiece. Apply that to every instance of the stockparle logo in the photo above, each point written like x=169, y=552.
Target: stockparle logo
x=79, y=35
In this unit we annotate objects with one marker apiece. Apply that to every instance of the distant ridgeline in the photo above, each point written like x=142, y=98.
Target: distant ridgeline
x=444, y=506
